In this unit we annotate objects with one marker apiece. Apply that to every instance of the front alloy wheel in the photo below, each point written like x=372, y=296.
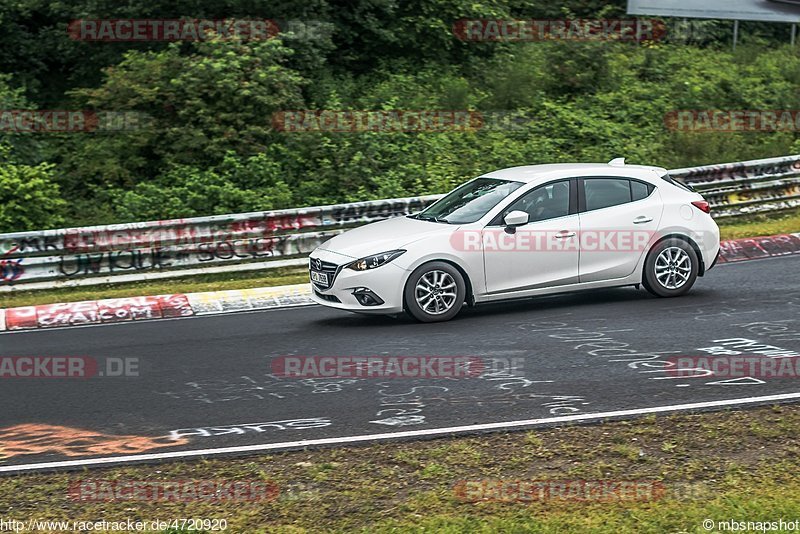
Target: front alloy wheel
x=434, y=292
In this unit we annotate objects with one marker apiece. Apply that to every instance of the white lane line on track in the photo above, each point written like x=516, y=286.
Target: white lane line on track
x=345, y=440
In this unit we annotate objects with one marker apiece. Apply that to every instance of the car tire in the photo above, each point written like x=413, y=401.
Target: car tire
x=434, y=292
x=671, y=268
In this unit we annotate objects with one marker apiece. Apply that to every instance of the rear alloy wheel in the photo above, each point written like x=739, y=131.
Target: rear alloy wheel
x=671, y=268
x=435, y=292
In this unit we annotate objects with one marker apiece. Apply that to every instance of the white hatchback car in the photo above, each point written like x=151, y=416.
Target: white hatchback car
x=522, y=232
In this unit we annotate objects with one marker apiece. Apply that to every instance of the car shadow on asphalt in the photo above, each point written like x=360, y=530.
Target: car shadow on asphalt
x=546, y=304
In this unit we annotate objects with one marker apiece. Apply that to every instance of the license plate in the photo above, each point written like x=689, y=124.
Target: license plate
x=320, y=278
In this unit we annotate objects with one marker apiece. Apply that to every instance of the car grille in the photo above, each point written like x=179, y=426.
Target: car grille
x=331, y=269
x=329, y=298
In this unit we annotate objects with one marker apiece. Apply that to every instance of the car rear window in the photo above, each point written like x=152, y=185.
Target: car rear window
x=677, y=183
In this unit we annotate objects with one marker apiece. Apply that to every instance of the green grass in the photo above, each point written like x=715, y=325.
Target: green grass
x=717, y=466
x=187, y=284
x=752, y=226
x=757, y=225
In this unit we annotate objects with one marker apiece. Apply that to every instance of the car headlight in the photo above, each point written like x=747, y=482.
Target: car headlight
x=374, y=261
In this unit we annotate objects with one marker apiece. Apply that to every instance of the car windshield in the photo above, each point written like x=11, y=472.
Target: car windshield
x=469, y=202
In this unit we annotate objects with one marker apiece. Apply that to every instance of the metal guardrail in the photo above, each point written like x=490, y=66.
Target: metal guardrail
x=249, y=241
x=179, y=247
x=746, y=187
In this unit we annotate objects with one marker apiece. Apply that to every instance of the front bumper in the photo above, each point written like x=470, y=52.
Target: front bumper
x=386, y=282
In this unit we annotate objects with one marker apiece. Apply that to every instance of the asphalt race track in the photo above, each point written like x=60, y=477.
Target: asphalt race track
x=207, y=383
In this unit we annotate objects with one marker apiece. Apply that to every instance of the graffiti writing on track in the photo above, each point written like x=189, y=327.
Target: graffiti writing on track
x=33, y=438
x=248, y=428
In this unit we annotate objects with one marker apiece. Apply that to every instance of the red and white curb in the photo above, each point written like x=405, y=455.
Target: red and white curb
x=262, y=298
x=95, y=312
x=155, y=307
x=752, y=248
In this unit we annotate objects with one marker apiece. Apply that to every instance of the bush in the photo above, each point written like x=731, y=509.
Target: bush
x=29, y=198
x=187, y=191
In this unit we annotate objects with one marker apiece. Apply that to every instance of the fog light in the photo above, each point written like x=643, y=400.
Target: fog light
x=366, y=297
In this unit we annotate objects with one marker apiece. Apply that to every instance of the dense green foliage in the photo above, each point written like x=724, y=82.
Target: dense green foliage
x=208, y=146
x=29, y=197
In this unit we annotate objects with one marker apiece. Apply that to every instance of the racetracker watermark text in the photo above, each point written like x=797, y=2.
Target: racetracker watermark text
x=521, y=240
x=67, y=367
x=563, y=490
x=100, y=490
x=398, y=121
x=735, y=367
x=727, y=121
x=134, y=30
x=71, y=121
x=170, y=29
x=512, y=30
x=390, y=366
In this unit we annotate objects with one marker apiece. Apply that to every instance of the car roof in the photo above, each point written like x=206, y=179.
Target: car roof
x=535, y=173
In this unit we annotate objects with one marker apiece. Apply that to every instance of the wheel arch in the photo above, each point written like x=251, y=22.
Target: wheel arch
x=470, y=296
x=701, y=268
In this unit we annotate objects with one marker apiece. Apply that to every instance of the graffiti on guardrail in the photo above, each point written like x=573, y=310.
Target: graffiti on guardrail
x=166, y=259
x=11, y=270
x=758, y=194
x=168, y=246
x=170, y=257
x=739, y=172
x=379, y=209
x=182, y=233
x=30, y=244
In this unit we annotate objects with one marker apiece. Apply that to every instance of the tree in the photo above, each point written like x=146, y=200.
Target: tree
x=203, y=99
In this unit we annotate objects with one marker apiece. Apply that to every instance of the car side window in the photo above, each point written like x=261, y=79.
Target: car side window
x=606, y=192
x=640, y=190
x=544, y=202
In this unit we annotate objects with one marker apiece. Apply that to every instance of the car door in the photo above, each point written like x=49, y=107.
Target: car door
x=541, y=253
x=618, y=217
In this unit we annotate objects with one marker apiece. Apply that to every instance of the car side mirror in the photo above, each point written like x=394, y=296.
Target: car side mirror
x=514, y=219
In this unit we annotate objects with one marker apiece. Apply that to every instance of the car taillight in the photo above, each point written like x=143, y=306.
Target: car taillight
x=702, y=205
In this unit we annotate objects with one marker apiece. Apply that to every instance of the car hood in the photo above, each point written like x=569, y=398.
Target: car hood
x=383, y=236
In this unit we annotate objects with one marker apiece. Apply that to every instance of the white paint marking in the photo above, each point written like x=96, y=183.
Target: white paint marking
x=742, y=381
x=394, y=435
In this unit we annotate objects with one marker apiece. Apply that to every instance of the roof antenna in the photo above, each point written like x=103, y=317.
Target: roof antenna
x=618, y=162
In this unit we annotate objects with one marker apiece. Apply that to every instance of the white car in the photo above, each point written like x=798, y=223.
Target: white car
x=523, y=232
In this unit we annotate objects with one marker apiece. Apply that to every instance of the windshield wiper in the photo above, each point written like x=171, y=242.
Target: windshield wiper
x=430, y=218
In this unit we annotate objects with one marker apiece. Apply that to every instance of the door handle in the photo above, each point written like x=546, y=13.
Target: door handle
x=642, y=219
x=564, y=235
